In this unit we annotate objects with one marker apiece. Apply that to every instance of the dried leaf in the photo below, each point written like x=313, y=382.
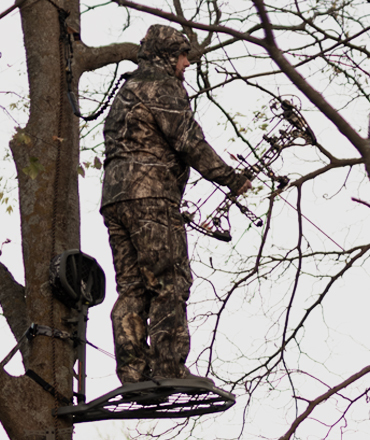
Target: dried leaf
x=21, y=137
x=34, y=168
x=81, y=171
x=97, y=163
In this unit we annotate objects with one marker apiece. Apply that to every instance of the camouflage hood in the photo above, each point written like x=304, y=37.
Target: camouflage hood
x=161, y=48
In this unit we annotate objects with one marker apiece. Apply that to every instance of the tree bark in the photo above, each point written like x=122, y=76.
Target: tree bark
x=49, y=210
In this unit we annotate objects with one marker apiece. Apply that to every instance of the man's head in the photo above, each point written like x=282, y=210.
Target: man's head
x=167, y=47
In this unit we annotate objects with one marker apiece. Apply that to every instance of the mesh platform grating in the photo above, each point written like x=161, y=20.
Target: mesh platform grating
x=170, y=398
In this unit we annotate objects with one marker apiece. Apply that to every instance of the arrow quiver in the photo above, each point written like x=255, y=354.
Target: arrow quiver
x=290, y=129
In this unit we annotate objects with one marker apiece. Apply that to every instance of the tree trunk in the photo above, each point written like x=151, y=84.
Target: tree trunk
x=46, y=154
x=49, y=208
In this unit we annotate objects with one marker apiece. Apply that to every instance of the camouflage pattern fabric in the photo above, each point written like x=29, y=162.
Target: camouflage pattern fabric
x=151, y=137
x=153, y=277
x=151, y=140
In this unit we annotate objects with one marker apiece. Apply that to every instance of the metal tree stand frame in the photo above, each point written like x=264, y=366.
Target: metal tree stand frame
x=79, y=282
x=170, y=398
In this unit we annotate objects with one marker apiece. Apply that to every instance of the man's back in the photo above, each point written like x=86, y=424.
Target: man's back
x=149, y=110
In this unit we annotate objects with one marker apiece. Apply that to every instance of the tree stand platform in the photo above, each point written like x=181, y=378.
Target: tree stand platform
x=79, y=282
x=165, y=399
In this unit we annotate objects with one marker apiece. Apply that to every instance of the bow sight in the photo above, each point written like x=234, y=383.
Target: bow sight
x=293, y=129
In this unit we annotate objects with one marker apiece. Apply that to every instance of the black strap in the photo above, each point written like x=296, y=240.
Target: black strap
x=47, y=387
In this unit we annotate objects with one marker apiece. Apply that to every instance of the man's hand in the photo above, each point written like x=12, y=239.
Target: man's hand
x=246, y=186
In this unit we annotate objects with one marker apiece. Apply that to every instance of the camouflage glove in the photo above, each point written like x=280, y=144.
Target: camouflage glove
x=239, y=185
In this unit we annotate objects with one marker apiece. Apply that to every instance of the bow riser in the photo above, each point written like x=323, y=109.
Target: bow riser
x=297, y=131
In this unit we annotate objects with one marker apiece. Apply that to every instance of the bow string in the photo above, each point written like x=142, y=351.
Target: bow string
x=290, y=129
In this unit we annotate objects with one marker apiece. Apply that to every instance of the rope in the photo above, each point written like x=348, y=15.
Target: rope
x=58, y=140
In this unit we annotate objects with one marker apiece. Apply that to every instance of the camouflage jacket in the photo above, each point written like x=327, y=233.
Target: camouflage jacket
x=151, y=137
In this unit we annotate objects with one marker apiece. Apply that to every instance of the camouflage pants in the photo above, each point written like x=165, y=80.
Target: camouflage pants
x=153, y=278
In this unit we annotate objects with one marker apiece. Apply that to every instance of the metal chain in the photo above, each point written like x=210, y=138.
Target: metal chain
x=102, y=109
x=69, y=77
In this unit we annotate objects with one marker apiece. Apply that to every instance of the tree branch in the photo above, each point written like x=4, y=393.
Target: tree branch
x=338, y=163
x=361, y=144
x=193, y=24
x=361, y=201
x=19, y=396
x=13, y=303
x=362, y=250
x=17, y=4
x=314, y=403
x=92, y=58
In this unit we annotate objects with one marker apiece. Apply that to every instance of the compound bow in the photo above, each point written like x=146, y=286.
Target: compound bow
x=295, y=131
